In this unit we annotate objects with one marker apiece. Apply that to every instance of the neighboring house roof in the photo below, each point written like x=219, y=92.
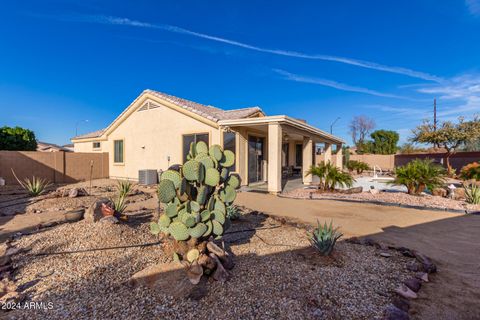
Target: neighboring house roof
x=49, y=147
x=208, y=112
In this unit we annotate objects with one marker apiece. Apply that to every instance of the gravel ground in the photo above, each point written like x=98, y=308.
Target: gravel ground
x=388, y=197
x=52, y=201
x=276, y=276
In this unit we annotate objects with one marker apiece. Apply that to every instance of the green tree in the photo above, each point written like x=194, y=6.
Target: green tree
x=448, y=135
x=17, y=139
x=384, y=142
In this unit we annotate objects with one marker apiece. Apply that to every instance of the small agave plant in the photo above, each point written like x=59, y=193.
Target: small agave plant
x=323, y=238
x=472, y=193
x=34, y=187
x=195, y=199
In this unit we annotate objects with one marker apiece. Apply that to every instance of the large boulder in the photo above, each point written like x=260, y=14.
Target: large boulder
x=440, y=192
x=170, y=279
x=94, y=211
x=352, y=190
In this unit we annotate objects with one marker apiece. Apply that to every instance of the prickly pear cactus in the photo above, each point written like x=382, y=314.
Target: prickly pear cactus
x=195, y=198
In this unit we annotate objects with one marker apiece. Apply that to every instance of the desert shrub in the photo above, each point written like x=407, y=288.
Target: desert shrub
x=124, y=187
x=472, y=193
x=119, y=203
x=470, y=171
x=35, y=186
x=330, y=176
x=418, y=175
x=233, y=212
x=323, y=238
x=358, y=166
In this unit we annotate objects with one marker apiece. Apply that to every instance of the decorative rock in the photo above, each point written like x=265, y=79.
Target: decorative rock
x=401, y=303
x=352, y=190
x=94, y=212
x=439, y=192
x=109, y=220
x=428, y=265
x=385, y=254
x=406, y=252
x=394, y=313
x=5, y=260
x=405, y=292
x=220, y=273
x=422, y=276
x=414, y=266
x=170, y=278
x=413, y=283
x=374, y=191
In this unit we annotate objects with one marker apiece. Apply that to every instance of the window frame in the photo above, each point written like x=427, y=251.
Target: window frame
x=183, y=156
x=123, y=152
x=99, y=145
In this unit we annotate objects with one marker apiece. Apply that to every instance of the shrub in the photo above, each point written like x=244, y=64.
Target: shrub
x=358, y=166
x=472, y=193
x=330, y=176
x=17, y=139
x=417, y=175
x=35, y=186
x=124, y=188
x=323, y=238
x=119, y=204
x=233, y=213
x=470, y=171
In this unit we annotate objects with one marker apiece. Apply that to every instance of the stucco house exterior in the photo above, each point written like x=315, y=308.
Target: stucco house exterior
x=155, y=131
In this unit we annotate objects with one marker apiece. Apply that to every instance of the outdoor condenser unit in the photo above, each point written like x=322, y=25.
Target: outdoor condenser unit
x=147, y=177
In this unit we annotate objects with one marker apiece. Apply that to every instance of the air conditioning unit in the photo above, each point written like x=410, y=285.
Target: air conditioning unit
x=147, y=176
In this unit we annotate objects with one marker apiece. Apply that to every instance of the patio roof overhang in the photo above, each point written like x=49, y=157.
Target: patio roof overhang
x=289, y=123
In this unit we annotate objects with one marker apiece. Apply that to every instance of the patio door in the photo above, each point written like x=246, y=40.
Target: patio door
x=255, y=157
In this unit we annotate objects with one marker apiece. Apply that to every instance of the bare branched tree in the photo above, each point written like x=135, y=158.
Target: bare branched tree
x=360, y=126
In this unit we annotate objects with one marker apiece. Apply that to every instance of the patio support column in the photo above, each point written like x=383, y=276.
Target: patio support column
x=274, y=158
x=307, y=160
x=339, y=156
x=328, y=152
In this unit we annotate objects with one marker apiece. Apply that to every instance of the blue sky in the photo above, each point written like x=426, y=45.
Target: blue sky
x=66, y=61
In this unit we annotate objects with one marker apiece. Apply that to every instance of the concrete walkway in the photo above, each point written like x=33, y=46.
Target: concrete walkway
x=451, y=240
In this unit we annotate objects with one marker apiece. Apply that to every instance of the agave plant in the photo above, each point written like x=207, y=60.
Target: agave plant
x=323, y=238
x=34, y=187
x=124, y=187
x=233, y=213
x=119, y=204
x=418, y=175
x=472, y=193
x=330, y=176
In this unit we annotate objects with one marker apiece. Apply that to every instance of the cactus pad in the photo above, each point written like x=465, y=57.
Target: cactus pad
x=212, y=177
x=178, y=231
x=198, y=230
x=193, y=255
x=217, y=228
x=166, y=191
x=218, y=216
x=191, y=170
x=228, y=194
x=228, y=159
x=209, y=225
x=194, y=206
x=220, y=206
x=234, y=181
x=224, y=174
x=171, y=210
x=201, y=147
x=173, y=176
x=205, y=215
x=216, y=152
x=154, y=228
x=164, y=221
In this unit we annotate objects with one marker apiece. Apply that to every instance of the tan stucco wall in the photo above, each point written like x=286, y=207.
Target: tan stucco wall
x=150, y=137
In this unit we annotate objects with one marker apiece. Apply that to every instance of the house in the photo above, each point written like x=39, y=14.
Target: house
x=50, y=147
x=156, y=129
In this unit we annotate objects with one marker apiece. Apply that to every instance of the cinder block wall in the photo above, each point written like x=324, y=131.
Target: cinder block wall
x=57, y=167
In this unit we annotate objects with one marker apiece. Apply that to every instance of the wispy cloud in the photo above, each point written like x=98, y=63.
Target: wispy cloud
x=103, y=19
x=473, y=6
x=333, y=84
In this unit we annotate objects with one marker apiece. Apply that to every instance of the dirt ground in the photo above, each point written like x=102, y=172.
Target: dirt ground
x=451, y=240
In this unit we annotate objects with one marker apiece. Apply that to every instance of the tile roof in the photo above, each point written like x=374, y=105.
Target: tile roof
x=209, y=112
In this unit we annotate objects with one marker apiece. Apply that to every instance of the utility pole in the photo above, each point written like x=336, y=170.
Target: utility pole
x=435, y=145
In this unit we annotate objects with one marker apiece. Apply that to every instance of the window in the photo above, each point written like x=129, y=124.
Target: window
x=96, y=145
x=298, y=155
x=118, y=151
x=229, y=143
x=189, y=138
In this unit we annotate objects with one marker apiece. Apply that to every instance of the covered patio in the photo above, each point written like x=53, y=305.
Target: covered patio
x=272, y=149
